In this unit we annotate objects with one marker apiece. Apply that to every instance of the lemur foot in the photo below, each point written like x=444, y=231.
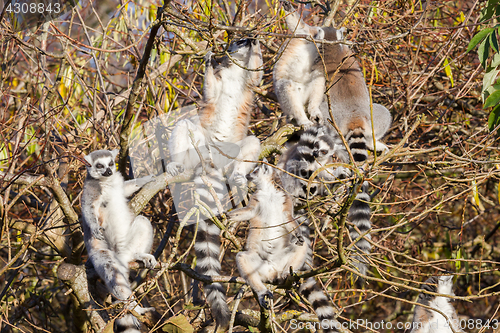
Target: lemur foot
x=265, y=299
x=297, y=239
x=148, y=259
x=143, y=310
x=174, y=168
x=238, y=179
x=308, y=124
x=316, y=116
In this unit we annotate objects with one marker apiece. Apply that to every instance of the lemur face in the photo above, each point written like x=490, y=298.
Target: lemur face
x=445, y=285
x=261, y=173
x=239, y=49
x=321, y=150
x=102, y=163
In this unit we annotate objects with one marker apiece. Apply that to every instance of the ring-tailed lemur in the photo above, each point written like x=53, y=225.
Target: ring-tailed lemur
x=429, y=321
x=314, y=150
x=113, y=235
x=224, y=118
x=225, y=115
x=300, y=81
x=275, y=244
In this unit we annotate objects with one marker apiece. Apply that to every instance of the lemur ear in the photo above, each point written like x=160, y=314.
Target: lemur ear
x=320, y=34
x=88, y=158
x=340, y=33
x=267, y=168
x=115, y=152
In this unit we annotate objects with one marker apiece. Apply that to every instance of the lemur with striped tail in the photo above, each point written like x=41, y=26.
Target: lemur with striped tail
x=275, y=244
x=113, y=235
x=306, y=71
x=222, y=119
x=304, y=74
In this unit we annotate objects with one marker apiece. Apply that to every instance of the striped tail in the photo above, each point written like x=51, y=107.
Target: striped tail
x=115, y=274
x=310, y=289
x=321, y=305
x=207, y=246
x=359, y=215
x=357, y=144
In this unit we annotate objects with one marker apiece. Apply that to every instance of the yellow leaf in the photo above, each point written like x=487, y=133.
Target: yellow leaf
x=178, y=324
x=447, y=70
x=475, y=195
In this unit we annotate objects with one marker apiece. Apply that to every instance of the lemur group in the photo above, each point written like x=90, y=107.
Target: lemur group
x=315, y=79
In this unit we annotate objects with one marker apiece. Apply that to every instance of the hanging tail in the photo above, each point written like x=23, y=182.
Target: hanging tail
x=359, y=215
x=207, y=246
x=310, y=289
x=321, y=305
x=115, y=275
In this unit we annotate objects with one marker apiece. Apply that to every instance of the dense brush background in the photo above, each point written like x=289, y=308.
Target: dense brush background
x=65, y=90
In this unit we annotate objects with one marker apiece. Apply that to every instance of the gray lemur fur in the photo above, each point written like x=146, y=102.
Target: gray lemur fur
x=113, y=235
x=428, y=321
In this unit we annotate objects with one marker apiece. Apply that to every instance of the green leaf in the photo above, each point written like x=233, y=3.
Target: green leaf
x=494, y=40
x=489, y=78
x=492, y=100
x=178, y=324
x=494, y=118
x=483, y=51
x=488, y=11
x=459, y=256
x=495, y=61
x=478, y=37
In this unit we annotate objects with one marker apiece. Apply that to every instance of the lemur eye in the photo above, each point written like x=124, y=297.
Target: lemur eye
x=99, y=166
x=323, y=151
x=111, y=163
x=303, y=173
x=316, y=145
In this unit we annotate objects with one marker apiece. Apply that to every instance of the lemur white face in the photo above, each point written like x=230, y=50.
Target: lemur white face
x=445, y=285
x=239, y=49
x=102, y=163
x=321, y=151
x=261, y=173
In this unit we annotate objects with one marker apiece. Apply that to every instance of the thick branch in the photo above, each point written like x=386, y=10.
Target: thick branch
x=136, y=87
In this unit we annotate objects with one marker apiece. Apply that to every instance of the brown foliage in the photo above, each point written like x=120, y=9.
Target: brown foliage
x=64, y=88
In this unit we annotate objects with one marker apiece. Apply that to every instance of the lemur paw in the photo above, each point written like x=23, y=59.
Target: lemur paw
x=98, y=233
x=342, y=173
x=238, y=179
x=174, y=168
x=265, y=299
x=149, y=179
x=316, y=116
x=149, y=261
x=308, y=124
x=298, y=240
